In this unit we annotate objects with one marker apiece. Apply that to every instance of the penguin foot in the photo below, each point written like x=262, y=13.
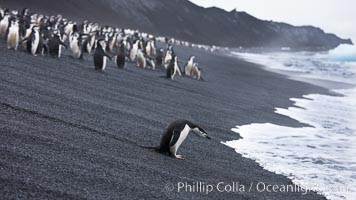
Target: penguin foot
x=180, y=157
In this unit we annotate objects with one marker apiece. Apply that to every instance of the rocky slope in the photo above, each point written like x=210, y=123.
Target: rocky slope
x=185, y=20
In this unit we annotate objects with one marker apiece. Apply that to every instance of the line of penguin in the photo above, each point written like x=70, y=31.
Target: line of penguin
x=48, y=35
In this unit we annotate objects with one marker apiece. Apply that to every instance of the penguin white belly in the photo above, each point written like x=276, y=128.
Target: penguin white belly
x=3, y=27
x=59, y=51
x=141, y=61
x=196, y=73
x=182, y=137
x=188, y=69
x=35, y=43
x=148, y=50
x=75, y=48
x=176, y=69
x=13, y=38
x=133, y=53
x=104, y=64
x=76, y=51
x=166, y=60
x=91, y=44
x=28, y=33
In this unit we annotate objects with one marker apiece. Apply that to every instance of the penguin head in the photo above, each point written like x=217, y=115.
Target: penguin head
x=15, y=12
x=76, y=35
x=35, y=29
x=199, y=131
x=25, y=12
x=52, y=19
x=65, y=21
x=7, y=16
x=56, y=33
x=101, y=44
x=14, y=22
x=33, y=18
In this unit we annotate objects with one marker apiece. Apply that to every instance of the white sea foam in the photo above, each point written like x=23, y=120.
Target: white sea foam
x=322, y=154
x=305, y=64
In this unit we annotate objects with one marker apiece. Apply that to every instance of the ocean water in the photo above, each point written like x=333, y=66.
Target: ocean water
x=322, y=156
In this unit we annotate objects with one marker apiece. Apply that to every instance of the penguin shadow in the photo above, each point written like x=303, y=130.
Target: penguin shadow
x=183, y=77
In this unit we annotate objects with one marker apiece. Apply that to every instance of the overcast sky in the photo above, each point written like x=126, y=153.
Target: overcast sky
x=335, y=16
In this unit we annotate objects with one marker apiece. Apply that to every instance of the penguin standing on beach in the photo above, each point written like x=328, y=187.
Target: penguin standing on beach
x=134, y=50
x=55, y=44
x=189, y=66
x=196, y=71
x=4, y=24
x=150, y=48
x=159, y=57
x=174, y=136
x=141, y=60
x=169, y=56
x=2, y=13
x=150, y=62
x=75, y=45
x=173, y=68
x=33, y=41
x=121, y=57
x=88, y=44
x=100, y=55
x=13, y=35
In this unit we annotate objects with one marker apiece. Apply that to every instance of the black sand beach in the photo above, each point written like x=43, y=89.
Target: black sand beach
x=69, y=132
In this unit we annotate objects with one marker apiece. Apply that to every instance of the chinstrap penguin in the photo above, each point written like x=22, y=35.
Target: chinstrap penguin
x=100, y=55
x=174, y=136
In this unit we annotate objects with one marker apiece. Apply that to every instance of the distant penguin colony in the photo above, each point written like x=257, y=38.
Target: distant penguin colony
x=49, y=35
x=41, y=35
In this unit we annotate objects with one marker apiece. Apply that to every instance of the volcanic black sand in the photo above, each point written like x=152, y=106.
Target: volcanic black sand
x=70, y=132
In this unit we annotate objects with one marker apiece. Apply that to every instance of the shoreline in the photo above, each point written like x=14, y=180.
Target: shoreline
x=65, y=134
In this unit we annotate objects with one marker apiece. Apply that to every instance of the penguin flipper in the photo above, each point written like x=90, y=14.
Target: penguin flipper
x=175, y=137
x=62, y=43
x=107, y=55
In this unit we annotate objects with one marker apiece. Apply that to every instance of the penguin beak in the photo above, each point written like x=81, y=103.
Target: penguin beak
x=205, y=135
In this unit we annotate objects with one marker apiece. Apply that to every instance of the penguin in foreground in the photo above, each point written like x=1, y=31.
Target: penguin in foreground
x=100, y=55
x=174, y=136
